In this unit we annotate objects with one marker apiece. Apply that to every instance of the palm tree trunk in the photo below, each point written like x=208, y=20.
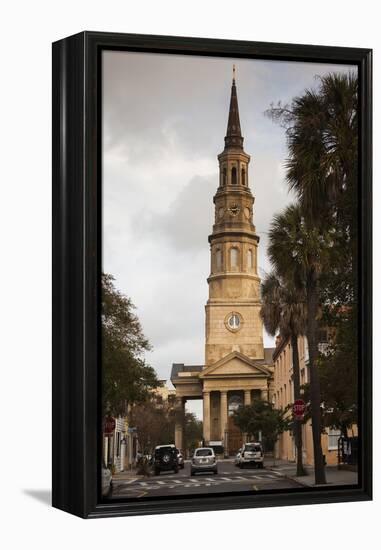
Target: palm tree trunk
x=312, y=308
x=297, y=423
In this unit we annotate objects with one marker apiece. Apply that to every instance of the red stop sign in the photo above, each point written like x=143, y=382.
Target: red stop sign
x=109, y=425
x=298, y=409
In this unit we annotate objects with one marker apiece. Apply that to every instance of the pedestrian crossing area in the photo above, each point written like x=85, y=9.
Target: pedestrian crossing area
x=187, y=482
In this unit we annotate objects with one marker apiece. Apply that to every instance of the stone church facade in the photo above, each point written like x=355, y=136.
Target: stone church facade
x=237, y=367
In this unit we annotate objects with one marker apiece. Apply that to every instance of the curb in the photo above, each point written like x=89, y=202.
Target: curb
x=297, y=481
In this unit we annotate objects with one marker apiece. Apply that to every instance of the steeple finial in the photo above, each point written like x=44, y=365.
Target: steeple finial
x=233, y=138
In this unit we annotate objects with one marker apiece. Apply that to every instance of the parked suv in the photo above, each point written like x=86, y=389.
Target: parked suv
x=251, y=453
x=204, y=460
x=165, y=458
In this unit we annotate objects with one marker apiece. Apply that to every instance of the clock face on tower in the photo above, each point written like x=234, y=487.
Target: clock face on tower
x=234, y=209
x=233, y=321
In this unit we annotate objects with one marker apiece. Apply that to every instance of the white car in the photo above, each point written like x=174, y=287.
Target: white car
x=106, y=481
x=204, y=460
x=251, y=453
x=237, y=457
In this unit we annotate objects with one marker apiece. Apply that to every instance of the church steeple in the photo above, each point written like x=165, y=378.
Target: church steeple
x=233, y=321
x=233, y=138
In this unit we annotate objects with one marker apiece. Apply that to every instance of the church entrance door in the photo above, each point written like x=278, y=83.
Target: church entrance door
x=235, y=439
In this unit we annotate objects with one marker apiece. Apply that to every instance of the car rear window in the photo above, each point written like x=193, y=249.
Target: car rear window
x=252, y=448
x=163, y=450
x=204, y=452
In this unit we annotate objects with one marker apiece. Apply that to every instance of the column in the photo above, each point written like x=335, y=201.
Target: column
x=246, y=401
x=265, y=394
x=247, y=397
x=179, y=423
x=206, y=416
x=224, y=414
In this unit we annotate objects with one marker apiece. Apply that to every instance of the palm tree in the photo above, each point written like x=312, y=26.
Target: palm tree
x=283, y=311
x=297, y=251
x=322, y=139
x=322, y=166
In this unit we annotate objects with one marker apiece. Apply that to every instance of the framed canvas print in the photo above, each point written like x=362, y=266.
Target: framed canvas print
x=212, y=274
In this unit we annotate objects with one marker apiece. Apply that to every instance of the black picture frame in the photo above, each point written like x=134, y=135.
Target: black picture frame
x=76, y=270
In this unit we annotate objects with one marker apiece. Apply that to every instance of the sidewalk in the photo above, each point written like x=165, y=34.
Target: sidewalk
x=127, y=475
x=334, y=476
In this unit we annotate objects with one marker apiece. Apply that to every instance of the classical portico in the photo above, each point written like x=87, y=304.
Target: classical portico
x=237, y=368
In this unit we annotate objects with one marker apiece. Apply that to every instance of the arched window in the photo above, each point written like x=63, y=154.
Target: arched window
x=218, y=259
x=234, y=175
x=249, y=259
x=224, y=176
x=234, y=254
x=243, y=179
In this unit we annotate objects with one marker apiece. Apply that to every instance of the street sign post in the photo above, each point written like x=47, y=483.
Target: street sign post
x=298, y=409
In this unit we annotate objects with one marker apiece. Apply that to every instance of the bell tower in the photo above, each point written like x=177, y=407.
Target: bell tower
x=233, y=322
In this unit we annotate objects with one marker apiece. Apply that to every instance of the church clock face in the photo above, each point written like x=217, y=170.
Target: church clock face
x=234, y=209
x=233, y=321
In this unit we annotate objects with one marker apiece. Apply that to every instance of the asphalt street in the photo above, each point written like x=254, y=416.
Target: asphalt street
x=229, y=478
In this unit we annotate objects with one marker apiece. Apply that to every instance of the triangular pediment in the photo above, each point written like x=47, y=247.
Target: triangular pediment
x=236, y=364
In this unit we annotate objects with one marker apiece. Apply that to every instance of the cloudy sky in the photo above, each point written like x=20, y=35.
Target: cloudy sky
x=164, y=122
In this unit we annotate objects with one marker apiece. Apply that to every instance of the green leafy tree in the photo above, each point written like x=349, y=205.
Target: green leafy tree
x=126, y=378
x=192, y=431
x=261, y=416
x=283, y=311
x=338, y=376
x=155, y=424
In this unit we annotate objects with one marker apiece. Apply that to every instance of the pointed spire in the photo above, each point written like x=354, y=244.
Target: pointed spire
x=233, y=138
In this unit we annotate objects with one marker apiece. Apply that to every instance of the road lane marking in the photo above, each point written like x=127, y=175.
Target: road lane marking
x=131, y=481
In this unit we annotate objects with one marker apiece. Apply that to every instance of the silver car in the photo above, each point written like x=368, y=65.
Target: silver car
x=251, y=454
x=204, y=460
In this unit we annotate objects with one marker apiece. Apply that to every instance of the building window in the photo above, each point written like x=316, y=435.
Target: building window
x=224, y=176
x=249, y=259
x=117, y=443
x=234, y=257
x=218, y=259
x=306, y=355
x=243, y=177
x=234, y=175
x=333, y=436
